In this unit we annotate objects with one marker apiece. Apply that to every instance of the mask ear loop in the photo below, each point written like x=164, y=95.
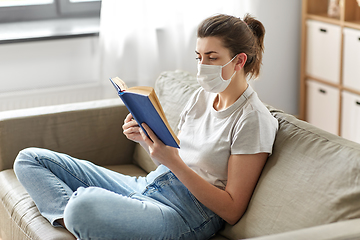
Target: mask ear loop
x=225, y=66
x=230, y=60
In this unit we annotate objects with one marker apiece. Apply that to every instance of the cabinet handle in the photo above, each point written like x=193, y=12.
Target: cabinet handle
x=359, y=38
x=323, y=30
x=357, y=102
x=322, y=91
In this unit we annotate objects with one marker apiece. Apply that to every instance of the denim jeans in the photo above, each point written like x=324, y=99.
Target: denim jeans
x=97, y=203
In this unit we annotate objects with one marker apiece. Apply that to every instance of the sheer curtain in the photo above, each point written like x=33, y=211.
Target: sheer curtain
x=139, y=39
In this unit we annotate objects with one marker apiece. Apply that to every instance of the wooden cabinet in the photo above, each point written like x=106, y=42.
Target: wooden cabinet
x=323, y=111
x=350, y=127
x=330, y=67
x=323, y=51
x=351, y=60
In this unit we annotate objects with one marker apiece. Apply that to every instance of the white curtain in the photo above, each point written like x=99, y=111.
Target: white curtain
x=141, y=38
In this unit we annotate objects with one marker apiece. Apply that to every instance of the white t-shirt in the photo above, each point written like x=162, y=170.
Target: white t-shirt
x=208, y=137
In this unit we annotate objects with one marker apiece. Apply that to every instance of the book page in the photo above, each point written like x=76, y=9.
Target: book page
x=156, y=103
x=120, y=83
x=143, y=90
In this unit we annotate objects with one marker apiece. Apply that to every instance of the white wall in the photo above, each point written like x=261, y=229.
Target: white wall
x=52, y=63
x=35, y=67
x=278, y=84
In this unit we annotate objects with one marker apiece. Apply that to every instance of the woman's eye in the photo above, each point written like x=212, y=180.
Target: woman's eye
x=209, y=59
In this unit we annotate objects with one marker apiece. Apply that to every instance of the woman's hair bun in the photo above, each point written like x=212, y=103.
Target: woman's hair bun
x=257, y=29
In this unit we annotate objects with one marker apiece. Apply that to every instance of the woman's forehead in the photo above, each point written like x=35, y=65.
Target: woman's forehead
x=209, y=44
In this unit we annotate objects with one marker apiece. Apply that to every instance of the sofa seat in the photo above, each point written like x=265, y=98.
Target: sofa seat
x=128, y=169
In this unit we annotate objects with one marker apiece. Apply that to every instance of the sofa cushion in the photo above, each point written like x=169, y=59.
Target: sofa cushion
x=174, y=89
x=312, y=178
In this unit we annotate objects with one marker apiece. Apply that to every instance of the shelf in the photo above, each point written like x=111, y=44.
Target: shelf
x=323, y=81
x=349, y=18
x=352, y=11
x=317, y=7
x=339, y=86
x=324, y=18
x=352, y=24
x=349, y=11
x=351, y=90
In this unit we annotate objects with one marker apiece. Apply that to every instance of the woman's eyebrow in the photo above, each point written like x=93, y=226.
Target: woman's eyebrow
x=207, y=53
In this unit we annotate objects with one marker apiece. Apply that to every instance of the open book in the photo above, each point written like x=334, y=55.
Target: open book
x=144, y=105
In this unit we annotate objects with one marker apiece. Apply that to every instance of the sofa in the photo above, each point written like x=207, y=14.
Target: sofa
x=309, y=187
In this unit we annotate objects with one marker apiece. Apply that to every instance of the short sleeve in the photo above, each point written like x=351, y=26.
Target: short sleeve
x=254, y=133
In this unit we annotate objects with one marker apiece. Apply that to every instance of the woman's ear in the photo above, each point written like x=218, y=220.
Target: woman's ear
x=240, y=61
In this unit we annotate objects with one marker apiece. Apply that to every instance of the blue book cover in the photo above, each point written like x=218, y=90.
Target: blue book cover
x=145, y=107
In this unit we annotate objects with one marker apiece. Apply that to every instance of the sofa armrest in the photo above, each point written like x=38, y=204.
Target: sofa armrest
x=88, y=130
x=348, y=230
x=20, y=218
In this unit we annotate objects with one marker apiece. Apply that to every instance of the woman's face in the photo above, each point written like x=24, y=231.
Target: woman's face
x=210, y=51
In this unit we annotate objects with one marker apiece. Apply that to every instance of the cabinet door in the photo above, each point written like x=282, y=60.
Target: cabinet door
x=323, y=51
x=323, y=106
x=350, y=119
x=351, y=71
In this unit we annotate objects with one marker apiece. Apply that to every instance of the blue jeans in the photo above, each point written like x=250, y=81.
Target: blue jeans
x=97, y=203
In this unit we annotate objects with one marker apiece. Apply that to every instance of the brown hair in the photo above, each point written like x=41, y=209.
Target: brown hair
x=239, y=36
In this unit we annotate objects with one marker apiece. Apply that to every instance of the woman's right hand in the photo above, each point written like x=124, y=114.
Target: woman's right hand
x=131, y=129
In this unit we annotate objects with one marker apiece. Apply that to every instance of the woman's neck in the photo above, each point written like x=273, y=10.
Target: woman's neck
x=232, y=93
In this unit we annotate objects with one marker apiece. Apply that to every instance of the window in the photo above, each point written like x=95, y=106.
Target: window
x=10, y=3
x=27, y=10
x=83, y=7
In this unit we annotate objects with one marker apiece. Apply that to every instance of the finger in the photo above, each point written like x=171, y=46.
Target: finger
x=131, y=130
x=134, y=137
x=128, y=118
x=145, y=137
x=131, y=124
x=151, y=134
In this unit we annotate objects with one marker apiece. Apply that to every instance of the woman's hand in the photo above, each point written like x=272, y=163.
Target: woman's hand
x=158, y=151
x=131, y=129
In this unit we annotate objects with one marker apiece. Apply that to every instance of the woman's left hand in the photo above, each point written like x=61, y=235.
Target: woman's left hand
x=158, y=150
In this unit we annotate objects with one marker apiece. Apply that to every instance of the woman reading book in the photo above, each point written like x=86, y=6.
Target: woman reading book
x=226, y=135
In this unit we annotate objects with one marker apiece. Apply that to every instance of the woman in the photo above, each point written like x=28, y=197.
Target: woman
x=226, y=135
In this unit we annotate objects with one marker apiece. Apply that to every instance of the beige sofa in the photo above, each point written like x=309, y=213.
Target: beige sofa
x=309, y=188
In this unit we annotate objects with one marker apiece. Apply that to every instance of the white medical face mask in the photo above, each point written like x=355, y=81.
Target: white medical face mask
x=210, y=77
